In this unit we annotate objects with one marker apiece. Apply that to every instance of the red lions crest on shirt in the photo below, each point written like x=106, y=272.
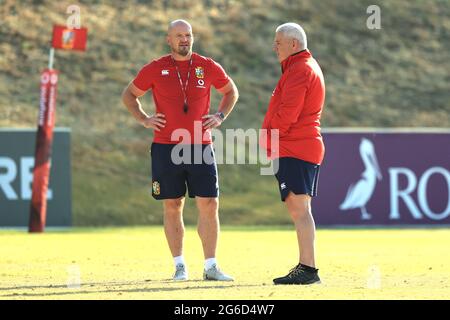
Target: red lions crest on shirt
x=199, y=73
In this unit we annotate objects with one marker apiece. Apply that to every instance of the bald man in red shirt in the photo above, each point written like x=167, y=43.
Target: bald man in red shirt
x=294, y=111
x=180, y=83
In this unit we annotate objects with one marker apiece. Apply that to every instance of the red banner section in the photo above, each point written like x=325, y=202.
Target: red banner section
x=69, y=39
x=44, y=139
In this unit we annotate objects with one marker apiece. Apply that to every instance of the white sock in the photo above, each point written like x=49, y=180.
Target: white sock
x=179, y=260
x=210, y=262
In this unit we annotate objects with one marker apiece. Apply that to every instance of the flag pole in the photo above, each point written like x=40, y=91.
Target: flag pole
x=51, y=58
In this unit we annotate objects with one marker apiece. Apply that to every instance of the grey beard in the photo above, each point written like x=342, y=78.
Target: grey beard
x=183, y=52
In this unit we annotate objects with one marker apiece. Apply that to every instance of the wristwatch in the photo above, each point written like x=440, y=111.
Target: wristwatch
x=221, y=115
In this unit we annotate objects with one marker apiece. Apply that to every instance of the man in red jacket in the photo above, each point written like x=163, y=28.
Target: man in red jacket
x=294, y=110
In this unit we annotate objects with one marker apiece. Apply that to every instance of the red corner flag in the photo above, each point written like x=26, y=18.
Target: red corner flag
x=69, y=39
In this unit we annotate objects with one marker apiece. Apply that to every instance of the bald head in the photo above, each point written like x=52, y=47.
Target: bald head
x=178, y=23
x=180, y=39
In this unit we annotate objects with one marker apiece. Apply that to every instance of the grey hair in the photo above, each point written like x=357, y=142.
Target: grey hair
x=179, y=21
x=295, y=31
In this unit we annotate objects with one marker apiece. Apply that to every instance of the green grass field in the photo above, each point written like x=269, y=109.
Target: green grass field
x=134, y=263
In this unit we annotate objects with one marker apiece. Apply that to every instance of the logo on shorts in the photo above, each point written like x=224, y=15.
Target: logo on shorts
x=283, y=186
x=199, y=72
x=156, y=188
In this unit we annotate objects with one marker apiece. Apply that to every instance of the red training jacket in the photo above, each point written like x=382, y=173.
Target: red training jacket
x=295, y=109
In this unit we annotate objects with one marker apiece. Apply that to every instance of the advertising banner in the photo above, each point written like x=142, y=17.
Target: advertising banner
x=17, y=149
x=384, y=178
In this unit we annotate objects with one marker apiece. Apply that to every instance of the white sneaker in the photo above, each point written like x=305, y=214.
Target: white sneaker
x=216, y=274
x=180, y=273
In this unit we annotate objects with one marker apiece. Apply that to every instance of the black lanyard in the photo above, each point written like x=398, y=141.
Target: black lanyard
x=184, y=88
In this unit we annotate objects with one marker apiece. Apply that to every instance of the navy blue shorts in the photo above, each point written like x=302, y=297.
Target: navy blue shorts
x=188, y=168
x=298, y=176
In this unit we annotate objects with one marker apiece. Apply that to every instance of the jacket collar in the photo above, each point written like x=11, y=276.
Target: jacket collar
x=293, y=58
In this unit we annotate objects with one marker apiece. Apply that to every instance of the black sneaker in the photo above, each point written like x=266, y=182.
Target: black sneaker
x=299, y=275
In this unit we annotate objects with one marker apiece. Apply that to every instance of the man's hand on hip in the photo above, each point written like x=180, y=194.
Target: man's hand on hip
x=156, y=121
x=212, y=121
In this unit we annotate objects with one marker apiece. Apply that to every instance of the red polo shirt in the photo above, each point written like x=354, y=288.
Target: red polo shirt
x=161, y=77
x=295, y=109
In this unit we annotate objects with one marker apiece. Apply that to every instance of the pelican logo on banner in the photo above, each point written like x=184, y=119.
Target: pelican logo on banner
x=359, y=194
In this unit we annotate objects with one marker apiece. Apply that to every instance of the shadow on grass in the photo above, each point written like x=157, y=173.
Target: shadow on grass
x=169, y=283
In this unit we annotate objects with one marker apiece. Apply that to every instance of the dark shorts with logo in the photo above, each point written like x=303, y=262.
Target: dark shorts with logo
x=298, y=176
x=191, y=166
